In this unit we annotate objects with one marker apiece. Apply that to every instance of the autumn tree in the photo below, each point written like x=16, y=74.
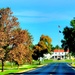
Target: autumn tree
x=20, y=55
x=13, y=40
x=43, y=46
x=45, y=42
x=21, y=42
x=7, y=24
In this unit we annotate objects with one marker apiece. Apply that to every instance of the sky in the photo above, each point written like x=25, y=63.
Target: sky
x=42, y=16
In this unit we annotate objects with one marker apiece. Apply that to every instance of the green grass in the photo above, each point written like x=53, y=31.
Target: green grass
x=73, y=65
x=57, y=61
x=9, y=70
x=47, y=61
x=67, y=61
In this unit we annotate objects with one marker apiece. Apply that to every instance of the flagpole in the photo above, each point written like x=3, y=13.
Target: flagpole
x=59, y=39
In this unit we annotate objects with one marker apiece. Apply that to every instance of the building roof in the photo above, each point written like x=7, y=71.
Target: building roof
x=60, y=50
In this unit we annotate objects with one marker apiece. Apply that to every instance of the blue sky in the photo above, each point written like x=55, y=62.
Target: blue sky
x=42, y=16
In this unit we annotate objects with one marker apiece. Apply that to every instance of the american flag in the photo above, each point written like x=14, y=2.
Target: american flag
x=58, y=26
x=59, y=31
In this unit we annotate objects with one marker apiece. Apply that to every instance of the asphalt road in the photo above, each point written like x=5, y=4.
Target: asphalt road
x=52, y=69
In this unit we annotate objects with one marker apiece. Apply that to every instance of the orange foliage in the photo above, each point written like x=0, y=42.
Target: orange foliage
x=19, y=36
x=11, y=34
x=2, y=53
x=19, y=54
x=43, y=46
x=45, y=38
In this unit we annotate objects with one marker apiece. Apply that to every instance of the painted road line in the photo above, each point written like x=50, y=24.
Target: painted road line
x=71, y=67
x=54, y=69
x=68, y=65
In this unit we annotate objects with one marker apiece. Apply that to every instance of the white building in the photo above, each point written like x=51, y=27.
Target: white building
x=59, y=53
x=47, y=56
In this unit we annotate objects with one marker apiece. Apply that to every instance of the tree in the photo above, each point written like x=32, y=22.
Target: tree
x=57, y=47
x=12, y=38
x=69, y=37
x=45, y=42
x=20, y=55
x=43, y=46
x=21, y=42
x=7, y=24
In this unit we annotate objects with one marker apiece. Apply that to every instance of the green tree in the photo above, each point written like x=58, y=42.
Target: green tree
x=57, y=47
x=69, y=37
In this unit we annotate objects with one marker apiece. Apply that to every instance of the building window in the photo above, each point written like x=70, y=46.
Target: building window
x=55, y=53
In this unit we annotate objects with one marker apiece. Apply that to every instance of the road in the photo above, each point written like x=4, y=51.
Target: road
x=52, y=69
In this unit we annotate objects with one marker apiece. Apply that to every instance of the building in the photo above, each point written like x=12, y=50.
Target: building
x=47, y=56
x=59, y=53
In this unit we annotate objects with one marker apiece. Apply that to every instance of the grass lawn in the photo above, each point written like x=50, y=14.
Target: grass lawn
x=8, y=69
x=15, y=69
x=73, y=65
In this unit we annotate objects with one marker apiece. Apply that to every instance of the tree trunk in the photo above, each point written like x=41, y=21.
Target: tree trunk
x=2, y=65
x=11, y=64
x=65, y=54
x=39, y=62
x=17, y=66
x=69, y=56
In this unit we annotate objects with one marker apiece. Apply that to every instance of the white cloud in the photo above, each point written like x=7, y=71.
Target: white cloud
x=35, y=16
